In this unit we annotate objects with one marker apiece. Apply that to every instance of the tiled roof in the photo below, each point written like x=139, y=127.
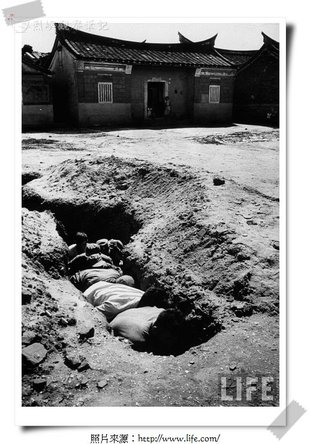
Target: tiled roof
x=37, y=60
x=243, y=58
x=87, y=46
x=237, y=57
x=270, y=47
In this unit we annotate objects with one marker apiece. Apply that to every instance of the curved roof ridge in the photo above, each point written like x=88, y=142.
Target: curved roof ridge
x=210, y=41
x=94, y=47
x=271, y=46
x=269, y=41
x=183, y=39
x=63, y=31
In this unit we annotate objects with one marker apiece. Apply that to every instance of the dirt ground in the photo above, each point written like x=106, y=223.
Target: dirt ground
x=198, y=209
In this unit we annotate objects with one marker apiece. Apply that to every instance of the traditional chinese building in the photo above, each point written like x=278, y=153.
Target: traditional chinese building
x=37, y=100
x=99, y=80
x=256, y=94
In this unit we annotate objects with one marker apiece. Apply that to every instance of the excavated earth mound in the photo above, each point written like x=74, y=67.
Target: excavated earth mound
x=207, y=244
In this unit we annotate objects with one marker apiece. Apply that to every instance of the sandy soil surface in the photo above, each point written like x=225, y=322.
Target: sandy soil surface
x=247, y=154
x=214, y=246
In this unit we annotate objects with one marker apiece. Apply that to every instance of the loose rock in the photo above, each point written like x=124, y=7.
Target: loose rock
x=26, y=296
x=101, y=384
x=86, y=330
x=73, y=360
x=71, y=321
x=83, y=366
x=63, y=322
x=34, y=354
x=275, y=245
x=218, y=181
x=39, y=384
x=83, y=382
x=29, y=337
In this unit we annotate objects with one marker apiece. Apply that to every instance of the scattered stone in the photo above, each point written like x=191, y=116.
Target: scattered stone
x=241, y=310
x=275, y=245
x=242, y=257
x=86, y=330
x=101, y=384
x=192, y=362
x=251, y=222
x=63, y=322
x=26, y=296
x=145, y=371
x=218, y=181
x=73, y=360
x=29, y=337
x=39, y=384
x=27, y=391
x=71, y=321
x=83, y=366
x=84, y=381
x=34, y=354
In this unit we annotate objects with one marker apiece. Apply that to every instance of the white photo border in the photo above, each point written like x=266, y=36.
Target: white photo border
x=151, y=416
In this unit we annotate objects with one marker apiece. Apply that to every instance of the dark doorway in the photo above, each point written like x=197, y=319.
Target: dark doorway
x=156, y=99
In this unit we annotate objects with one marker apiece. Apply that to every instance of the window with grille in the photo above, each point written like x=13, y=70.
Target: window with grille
x=105, y=92
x=214, y=93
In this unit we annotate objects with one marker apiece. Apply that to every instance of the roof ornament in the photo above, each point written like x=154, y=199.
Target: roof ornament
x=268, y=40
x=183, y=39
x=207, y=42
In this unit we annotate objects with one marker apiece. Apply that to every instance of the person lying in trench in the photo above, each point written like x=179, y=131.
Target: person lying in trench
x=151, y=328
x=86, y=278
x=84, y=261
x=112, y=248
x=113, y=298
x=80, y=245
x=101, y=254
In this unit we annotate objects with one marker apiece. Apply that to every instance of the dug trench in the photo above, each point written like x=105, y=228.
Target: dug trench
x=168, y=220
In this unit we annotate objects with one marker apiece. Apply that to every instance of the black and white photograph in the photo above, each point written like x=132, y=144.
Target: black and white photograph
x=150, y=214
x=151, y=251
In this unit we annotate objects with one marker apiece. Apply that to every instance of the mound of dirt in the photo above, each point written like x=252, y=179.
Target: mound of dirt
x=182, y=233
x=170, y=220
x=239, y=137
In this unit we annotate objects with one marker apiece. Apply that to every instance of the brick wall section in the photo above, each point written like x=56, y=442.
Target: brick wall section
x=88, y=86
